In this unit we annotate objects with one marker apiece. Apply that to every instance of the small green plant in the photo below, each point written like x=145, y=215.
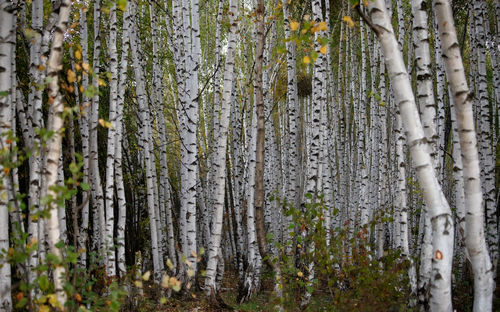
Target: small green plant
x=348, y=276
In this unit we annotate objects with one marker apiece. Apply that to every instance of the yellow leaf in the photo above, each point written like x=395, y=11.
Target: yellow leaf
x=53, y=300
x=86, y=66
x=78, y=55
x=303, y=31
x=174, y=283
x=43, y=308
x=190, y=272
x=294, y=25
x=148, y=273
x=170, y=264
x=101, y=82
x=349, y=21
x=306, y=60
x=321, y=26
x=300, y=274
x=323, y=49
x=138, y=284
x=107, y=124
x=78, y=67
x=71, y=76
x=164, y=281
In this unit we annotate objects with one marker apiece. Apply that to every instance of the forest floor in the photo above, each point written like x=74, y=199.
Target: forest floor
x=198, y=302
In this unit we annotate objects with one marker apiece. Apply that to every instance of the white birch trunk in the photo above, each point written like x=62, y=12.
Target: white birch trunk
x=486, y=152
x=111, y=146
x=84, y=132
x=120, y=189
x=220, y=160
x=440, y=213
x=475, y=238
x=55, y=124
x=95, y=177
x=144, y=116
x=293, y=191
x=7, y=53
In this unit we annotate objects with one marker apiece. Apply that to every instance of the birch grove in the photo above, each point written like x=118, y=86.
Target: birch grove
x=216, y=155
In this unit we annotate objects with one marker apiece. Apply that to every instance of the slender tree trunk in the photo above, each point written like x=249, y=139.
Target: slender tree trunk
x=98, y=225
x=440, y=213
x=111, y=146
x=261, y=130
x=486, y=152
x=7, y=54
x=220, y=160
x=120, y=189
x=145, y=138
x=475, y=237
x=55, y=124
x=84, y=132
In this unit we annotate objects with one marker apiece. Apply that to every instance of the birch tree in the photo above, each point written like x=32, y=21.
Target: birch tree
x=145, y=139
x=7, y=53
x=55, y=125
x=98, y=225
x=486, y=154
x=188, y=35
x=120, y=188
x=440, y=213
x=111, y=146
x=475, y=237
x=220, y=160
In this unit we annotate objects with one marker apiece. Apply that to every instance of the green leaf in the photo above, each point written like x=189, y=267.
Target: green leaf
x=21, y=303
x=4, y=93
x=122, y=4
x=85, y=186
x=44, y=283
x=73, y=168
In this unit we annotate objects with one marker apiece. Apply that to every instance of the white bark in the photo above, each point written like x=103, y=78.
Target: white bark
x=188, y=36
x=120, y=190
x=55, y=124
x=220, y=160
x=84, y=132
x=7, y=53
x=145, y=125
x=475, y=238
x=111, y=147
x=486, y=152
x=95, y=177
x=293, y=192
x=439, y=210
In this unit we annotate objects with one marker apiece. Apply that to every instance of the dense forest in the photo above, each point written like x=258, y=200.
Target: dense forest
x=286, y=155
